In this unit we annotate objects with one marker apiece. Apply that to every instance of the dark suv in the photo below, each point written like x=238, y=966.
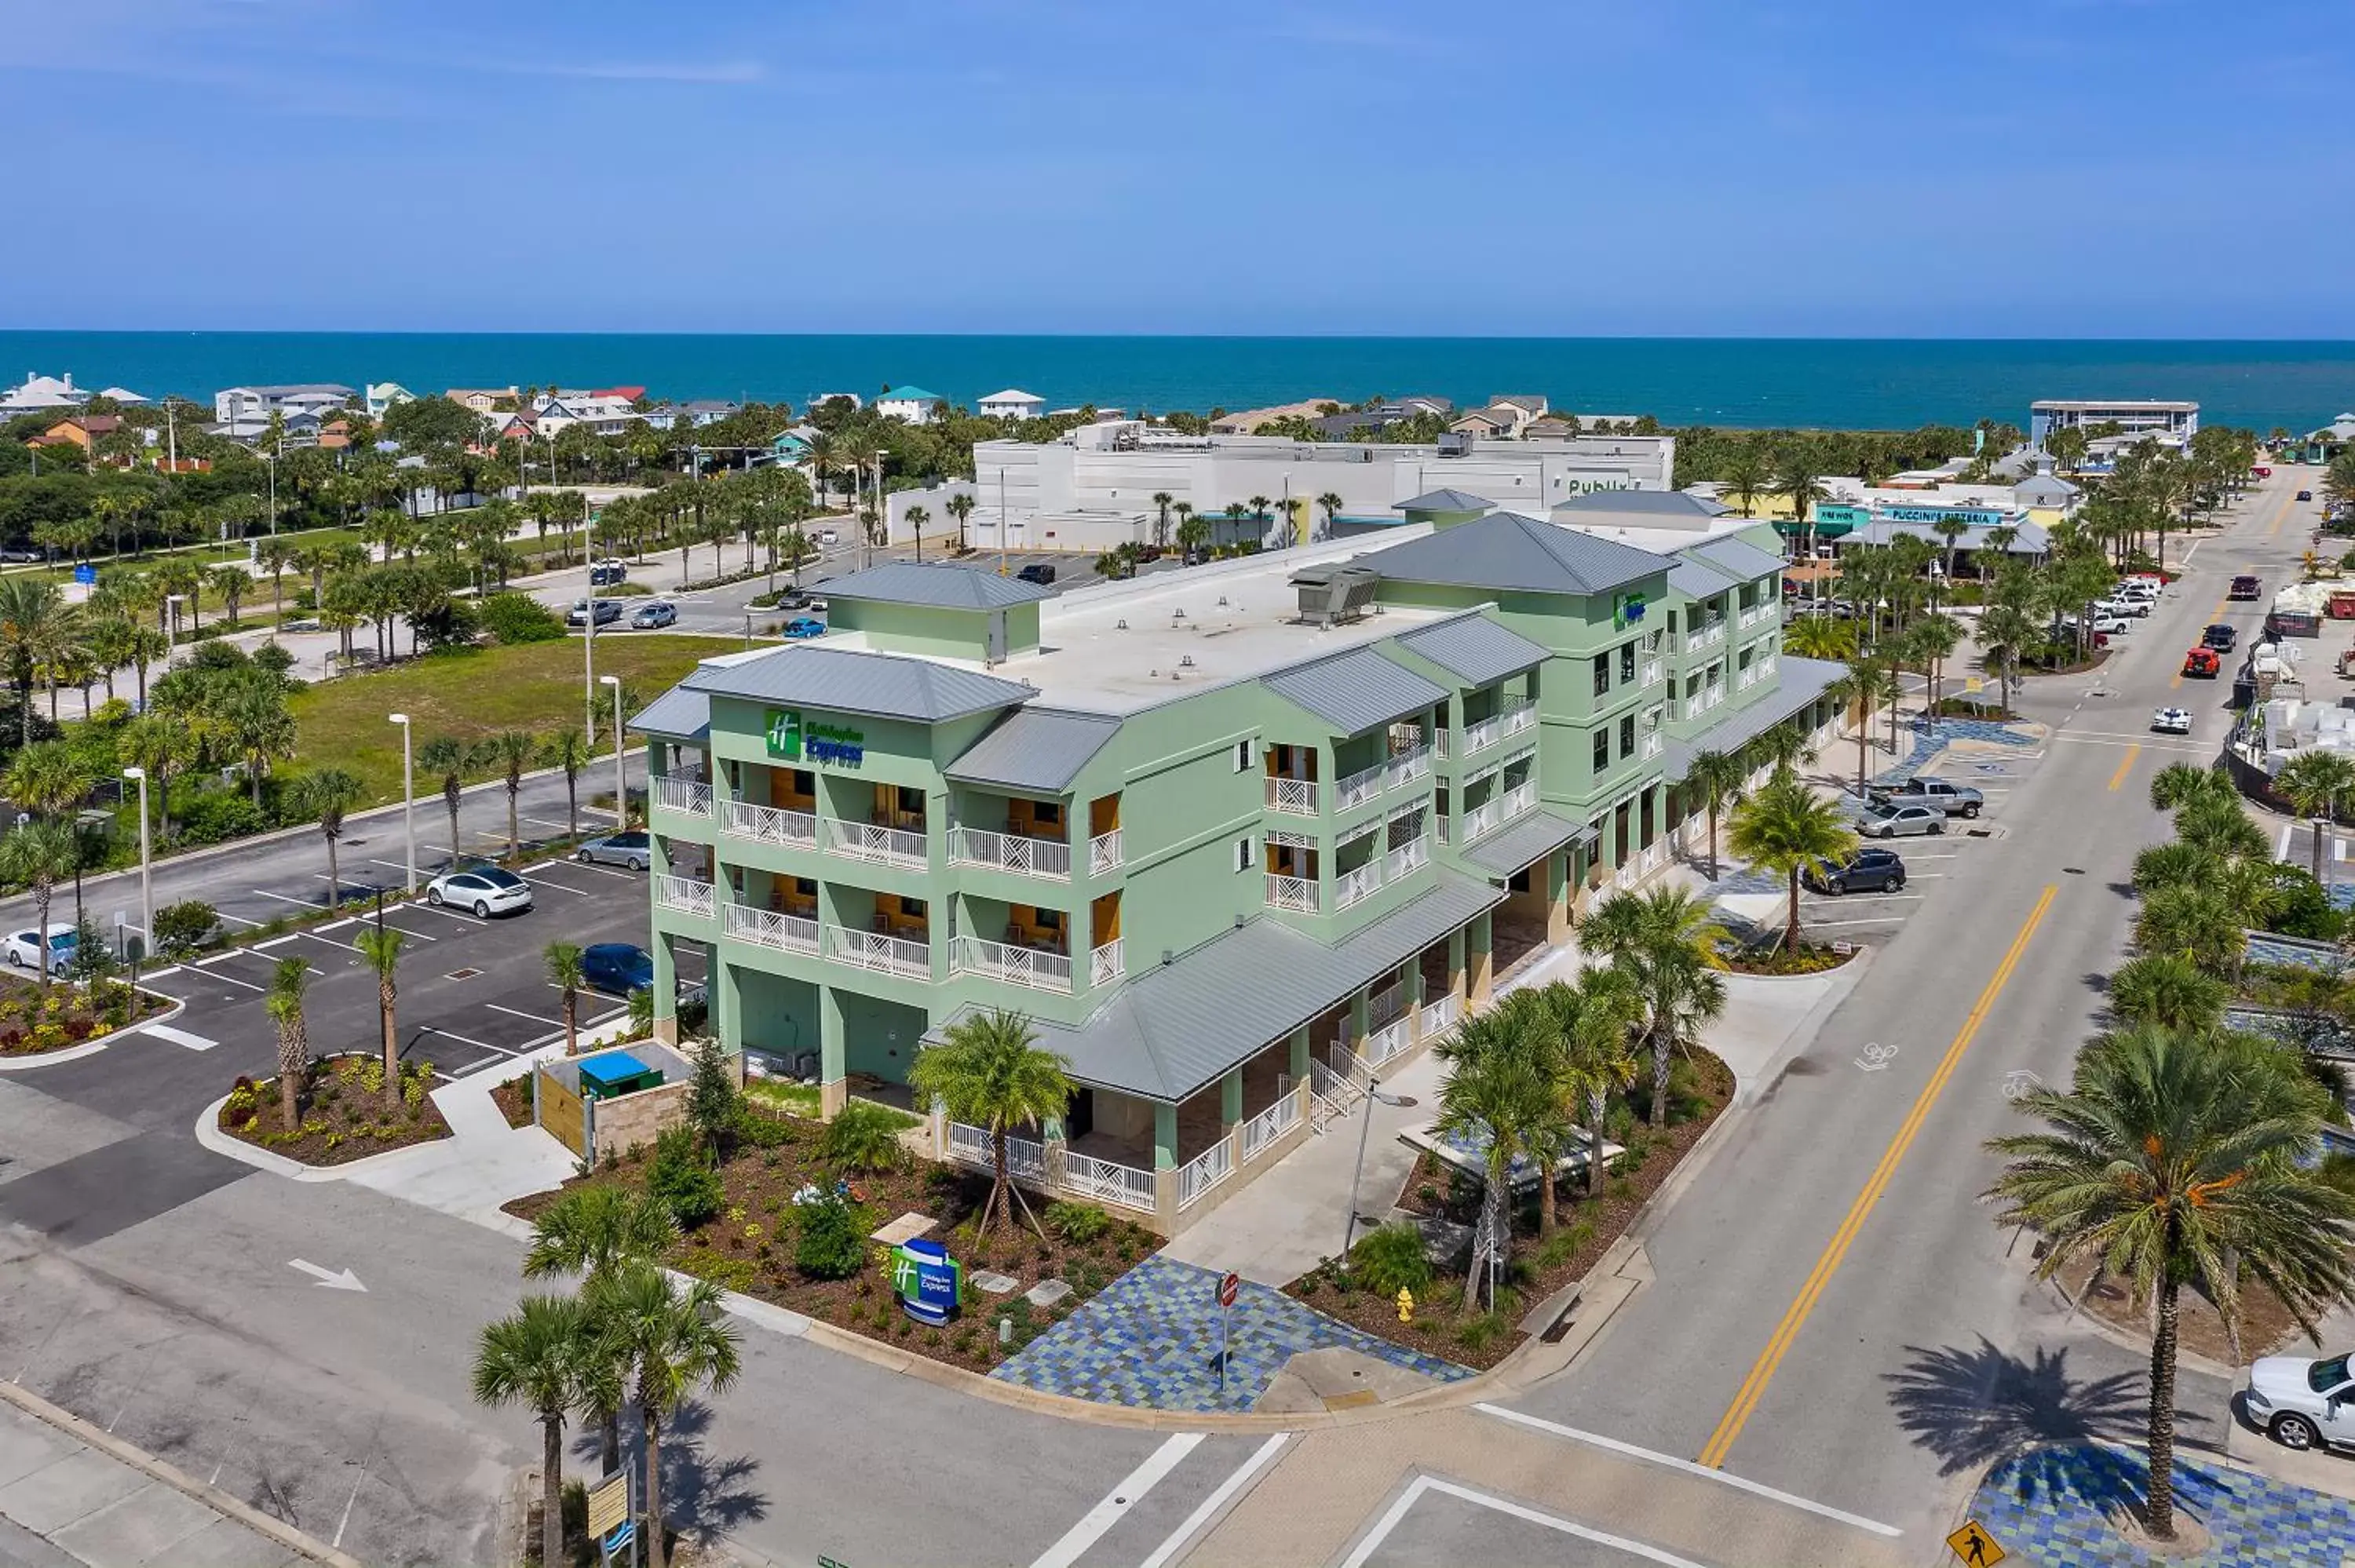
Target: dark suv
x=2220, y=637
x=2246, y=587
x=1867, y=871
x=1037, y=572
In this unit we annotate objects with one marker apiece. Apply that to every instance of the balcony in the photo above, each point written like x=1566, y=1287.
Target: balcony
x=1764, y=665
x=873, y=950
x=870, y=841
x=1406, y=858
x=1033, y=966
x=1709, y=636
x=1406, y=768
x=684, y=894
x=1049, y=858
x=1482, y=819
x=1652, y=672
x=1745, y=679
x=768, y=824
x=1359, y=787
x=1105, y=852
x=688, y=797
x=1107, y=963
x=1517, y=801
x=1297, y=893
x=1757, y=613
x=1652, y=746
x=769, y=929
x=1356, y=886
x=1296, y=796
x=1510, y=720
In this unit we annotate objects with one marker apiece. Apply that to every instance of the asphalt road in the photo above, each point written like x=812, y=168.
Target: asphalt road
x=1835, y=1314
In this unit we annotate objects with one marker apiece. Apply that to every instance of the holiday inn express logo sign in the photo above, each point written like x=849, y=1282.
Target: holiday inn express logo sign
x=791, y=737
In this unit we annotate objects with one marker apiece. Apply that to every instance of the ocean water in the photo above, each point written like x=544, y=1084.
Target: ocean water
x=1749, y=382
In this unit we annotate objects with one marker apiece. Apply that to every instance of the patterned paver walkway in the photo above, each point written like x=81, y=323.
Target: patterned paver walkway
x=1931, y=737
x=1151, y=1339
x=2053, y=1507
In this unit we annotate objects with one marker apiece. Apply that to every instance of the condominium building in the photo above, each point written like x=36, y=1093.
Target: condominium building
x=2139, y=416
x=242, y=405
x=1230, y=837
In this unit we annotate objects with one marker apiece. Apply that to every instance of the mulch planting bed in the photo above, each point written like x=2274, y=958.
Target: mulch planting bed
x=1700, y=1090
x=1809, y=959
x=514, y=1100
x=32, y=1026
x=2266, y=1327
x=344, y=1117
x=750, y=1245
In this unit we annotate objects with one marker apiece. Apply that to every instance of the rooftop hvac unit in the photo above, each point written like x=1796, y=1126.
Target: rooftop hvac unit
x=1331, y=595
x=1455, y=443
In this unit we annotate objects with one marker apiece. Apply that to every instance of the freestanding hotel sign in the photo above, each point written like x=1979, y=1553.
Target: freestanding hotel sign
x=928, y=1281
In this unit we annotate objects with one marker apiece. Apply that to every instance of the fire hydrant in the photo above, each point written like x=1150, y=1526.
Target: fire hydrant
x=1406, y=1304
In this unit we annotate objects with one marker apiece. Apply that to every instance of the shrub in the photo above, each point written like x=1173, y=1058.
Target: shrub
x=736, y=1274
x=1077, y=1224
x=758, y=1130
x=1563, y=1244
x=514, y=617
x=216, y=816
x=1390, y=1258
x=713, y=1102
x=833, y=1241
x=683, y=1178
x=863, y=1138
x=181, y=929
x=1479, y=1334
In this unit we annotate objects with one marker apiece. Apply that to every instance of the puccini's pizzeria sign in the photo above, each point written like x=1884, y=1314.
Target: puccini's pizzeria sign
x=791, y=736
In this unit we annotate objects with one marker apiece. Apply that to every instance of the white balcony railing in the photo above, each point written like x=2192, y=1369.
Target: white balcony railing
x=1519, y=717
x=685, y=894
x=1026, y=1158
x=772, y=929
x=768, y=824
x=1356, y=886
x=1714, y=696
x=1481, y=819
x=1106, y=1181
x=1106, y=964
x=1653, y=746
x=1709, y=636
x=690, y=796
x=1103, y=853
x=874, y=950
x=1032, y=967
x=1442, y=1014
x=1012, y=852
x=1386, y=1042
x=1297, y=795
x=1517, y=801
x=1205, y=1171
x=1359, y=787
x=1746, y=678
x=1764, y=665
x=1296, y=892
x=1385, y=1005
x=1406, y=858
x=1439, y=744
x=1255, y=1135
x=867, y=841
x=1406, y=768
x=1652, y=670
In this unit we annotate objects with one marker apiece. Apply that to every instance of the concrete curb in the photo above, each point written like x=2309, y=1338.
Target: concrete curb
x=146, y=1463
x=210, y=1136
x=92, y=1047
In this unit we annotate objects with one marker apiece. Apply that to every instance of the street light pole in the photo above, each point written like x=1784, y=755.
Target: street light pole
x=1374, y=1097
x=146, y=884
x=588, y=641
x=621, y=779
x=408, y=797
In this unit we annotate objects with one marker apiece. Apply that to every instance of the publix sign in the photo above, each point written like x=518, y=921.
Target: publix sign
x=795, y=738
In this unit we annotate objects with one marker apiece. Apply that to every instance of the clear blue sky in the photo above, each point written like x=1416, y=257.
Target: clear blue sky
x=2062, y=167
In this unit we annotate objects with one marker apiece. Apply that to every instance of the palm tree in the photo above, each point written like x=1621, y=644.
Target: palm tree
x=283, y=1003
x=916, y=517
x=567, y=749
x=1933, y=639
x=1872, y=683
x=2176, y=1162
x=37, y=856
x=564, y=972
x=1781, y=748
x=990, y=1073
x=1799, y=485
x=1595, y=1020
x=2193, y=921
x=2169, y=990
x=675, y=1343
x=35, y=625
x=257, y=726
x=1498, y=1089
x=960, y=506
x=2313, y=783
x=379, y=947
x=51, y=778
x=327, y=795
x=1664, y=944
x=511, y=751
x=450, y=758
x=1820, y=637
x=2223, y=829
x=1787, y=827
x=1330, y=504
x=2179, y=784
x=228, y=583
x=1713, y=781
x=1742, y=478
x=595, y=1233
x=533, y=1358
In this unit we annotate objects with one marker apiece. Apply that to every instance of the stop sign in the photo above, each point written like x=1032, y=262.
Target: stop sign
x=1229, y=1287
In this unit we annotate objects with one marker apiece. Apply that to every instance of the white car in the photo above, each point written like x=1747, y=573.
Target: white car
x=485, y=889
x=2172, y=721
x=2123, y=605
x=2301, y=1403
x=24, y=947
x=2102, y=624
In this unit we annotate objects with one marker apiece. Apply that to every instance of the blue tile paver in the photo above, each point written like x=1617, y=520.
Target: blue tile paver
x=1150, y=1339
x=2051, y=1507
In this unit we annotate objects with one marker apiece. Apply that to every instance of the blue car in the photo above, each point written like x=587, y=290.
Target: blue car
x=803, y=626
x=617, y=968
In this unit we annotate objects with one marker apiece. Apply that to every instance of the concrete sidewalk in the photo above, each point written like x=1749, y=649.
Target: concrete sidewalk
x=71, y=1495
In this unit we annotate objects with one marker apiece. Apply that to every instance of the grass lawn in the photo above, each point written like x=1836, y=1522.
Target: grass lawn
x=474, y=693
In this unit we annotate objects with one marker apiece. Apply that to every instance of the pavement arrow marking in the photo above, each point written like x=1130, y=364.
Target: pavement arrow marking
x=345, y=1280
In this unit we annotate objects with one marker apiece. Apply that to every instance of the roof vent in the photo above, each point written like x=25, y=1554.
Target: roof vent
x=1120, y=625
x=1331, y=595
x=1185, y=661
x=1166, y=956
x=1223, y=602
x=1178, y=614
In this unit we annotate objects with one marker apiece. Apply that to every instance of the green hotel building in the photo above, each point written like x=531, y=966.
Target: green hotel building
x=1234, y=837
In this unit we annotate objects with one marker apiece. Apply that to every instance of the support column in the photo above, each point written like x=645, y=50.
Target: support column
x=833, y=1053
x=1299, y=1064
x=1165, y=1135
x=1455, y=975
x=666, y=990
x=1230, y=1099
x=1410, y=987
x=723, y=1007
x=1558, y=884
x=1480, y=950
x=1359, y=1020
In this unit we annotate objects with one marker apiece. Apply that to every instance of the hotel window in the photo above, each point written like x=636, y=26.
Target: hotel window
x=1601, y=749
x=1243, y=755
x=1626, y=737
x=1626, y=662
x=1602, y=674
x=1243, y=852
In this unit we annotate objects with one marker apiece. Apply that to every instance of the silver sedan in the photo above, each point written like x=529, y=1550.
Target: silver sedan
x=1901, y=821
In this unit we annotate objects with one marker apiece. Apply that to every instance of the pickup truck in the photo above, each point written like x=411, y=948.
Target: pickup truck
x=1939, y=794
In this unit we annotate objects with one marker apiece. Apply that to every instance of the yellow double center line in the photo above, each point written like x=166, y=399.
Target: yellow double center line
x=1753, y=1387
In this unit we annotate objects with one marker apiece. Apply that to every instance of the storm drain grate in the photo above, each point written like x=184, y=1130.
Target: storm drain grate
x=1979, y=833
x=462, y=974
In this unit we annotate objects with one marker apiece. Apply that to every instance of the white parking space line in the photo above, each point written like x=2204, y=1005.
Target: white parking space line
x=544, y=823
x=231, y=980
x=446, y=912
x=1167, y=1552
x=1415, y=1489
x=179, y=1037
x=1860, y=920
x=561, y=887
x=462, y=1039
x=159, y=974
x=489, y=1061
x=1123, y=1495
x=519, y=1013
x=329, y=941
x=407, y=932
x=600, y=870
x=273, y=942
x=1851, y=900
x=1690, y=1467
x=298, y=903
x=238, y=918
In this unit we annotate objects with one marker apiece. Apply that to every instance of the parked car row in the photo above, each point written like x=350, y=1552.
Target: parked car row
x=646, y=616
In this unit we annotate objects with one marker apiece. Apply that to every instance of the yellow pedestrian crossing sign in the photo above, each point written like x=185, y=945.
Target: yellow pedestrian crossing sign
x=1974, y=1547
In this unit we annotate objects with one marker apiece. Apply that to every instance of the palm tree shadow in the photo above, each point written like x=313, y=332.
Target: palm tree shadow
x=1984, y=1406
x=700, y=1492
